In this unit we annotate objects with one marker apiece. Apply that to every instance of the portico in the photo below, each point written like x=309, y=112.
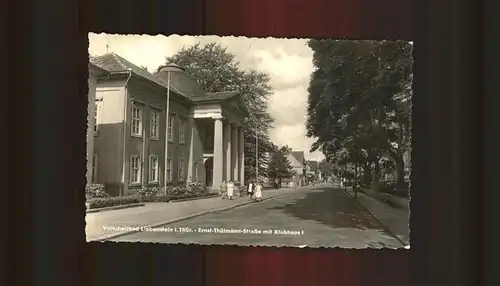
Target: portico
x=218, y=120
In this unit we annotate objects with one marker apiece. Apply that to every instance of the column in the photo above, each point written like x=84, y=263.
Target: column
x=234, y=155
x=190, y=174
x=218, y=153
x=227, y=152
x=241, y=158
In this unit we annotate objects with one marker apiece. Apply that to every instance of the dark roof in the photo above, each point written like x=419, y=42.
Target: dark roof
x=183, y=83
x=215, y=96
x=96, y=67
x=299, y=155
x=313, y=164
x=114, y=63
x=180, y=82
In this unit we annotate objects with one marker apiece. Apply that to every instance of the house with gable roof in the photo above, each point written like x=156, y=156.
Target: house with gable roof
x=136, y=145
x=299, y=164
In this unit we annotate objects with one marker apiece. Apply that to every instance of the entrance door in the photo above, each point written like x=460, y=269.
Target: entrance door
x=209, y=169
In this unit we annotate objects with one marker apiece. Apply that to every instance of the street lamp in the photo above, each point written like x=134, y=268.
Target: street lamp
x=256, y=153
x=168, y=69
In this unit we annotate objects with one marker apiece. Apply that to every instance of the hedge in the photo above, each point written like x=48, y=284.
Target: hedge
x=93, y=191
x=112, y=201
x=118, y=201
x=97, y=198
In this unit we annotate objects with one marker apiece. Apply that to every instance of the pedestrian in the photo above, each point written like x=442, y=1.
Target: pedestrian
x=258, y=191
x=223, y=189
x=230, y=190
x=250, y=190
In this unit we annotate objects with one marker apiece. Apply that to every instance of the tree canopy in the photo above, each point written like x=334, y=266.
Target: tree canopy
x=359, y=103
x=326, y=168
x=216, y=69
x=279, y=166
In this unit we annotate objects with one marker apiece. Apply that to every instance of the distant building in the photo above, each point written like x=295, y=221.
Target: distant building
x=299, y=167
x=314, y=169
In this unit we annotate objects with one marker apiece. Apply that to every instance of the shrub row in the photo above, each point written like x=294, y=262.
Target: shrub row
x=98, y=198
x=112, y=201
x=94, y=191
x=125, y=200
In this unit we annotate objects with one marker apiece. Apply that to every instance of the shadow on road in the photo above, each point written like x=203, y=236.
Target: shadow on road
x=330, y=207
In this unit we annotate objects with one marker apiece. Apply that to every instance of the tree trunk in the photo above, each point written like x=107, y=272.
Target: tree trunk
x=367, y=175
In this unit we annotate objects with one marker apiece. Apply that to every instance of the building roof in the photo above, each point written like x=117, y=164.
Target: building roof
x=98, y=68
x=299, y=156
x=313, y=164
x=216, y=96
x=180, y=82
x=114, y=63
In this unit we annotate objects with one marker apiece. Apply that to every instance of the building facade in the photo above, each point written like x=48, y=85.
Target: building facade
x=298, y=162
x=95, y=73
x=137, y=145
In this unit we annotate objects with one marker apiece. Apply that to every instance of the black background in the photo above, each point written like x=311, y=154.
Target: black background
x=46, y=68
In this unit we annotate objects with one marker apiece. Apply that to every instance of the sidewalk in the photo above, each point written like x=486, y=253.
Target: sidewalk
x=157, y=213
x=397, y=220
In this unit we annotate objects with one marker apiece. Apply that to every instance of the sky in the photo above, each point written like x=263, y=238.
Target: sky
x=287, y=61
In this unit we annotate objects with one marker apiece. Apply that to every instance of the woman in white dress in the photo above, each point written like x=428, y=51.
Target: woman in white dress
x=258, y=191
x=230, y=190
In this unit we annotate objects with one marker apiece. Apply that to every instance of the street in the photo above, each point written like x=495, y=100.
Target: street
x=321, y=216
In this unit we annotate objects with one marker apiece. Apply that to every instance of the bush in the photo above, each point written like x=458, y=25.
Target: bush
x=173, y=191
x=155, y=199
x=157, y=194
x=93, y=191
x=112, y=201
x=188, y=196
x=196, y=188
x=147, y=194
x=150, y=191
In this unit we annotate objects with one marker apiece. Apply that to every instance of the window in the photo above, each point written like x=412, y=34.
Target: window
x=136, y=120
x=97, y=111
x=169, y=169
x=94, y=169
x=182, y=125
x=153, y=169
x=170, y=128
x=155, y=125
x=135, y=169
x=181, y=169
x=182, y=131
x=195, y=171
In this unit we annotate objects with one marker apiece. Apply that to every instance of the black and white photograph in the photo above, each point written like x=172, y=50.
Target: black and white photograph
x=249, y=141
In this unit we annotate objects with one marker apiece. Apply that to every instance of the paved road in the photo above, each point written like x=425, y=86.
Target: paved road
x=313, y=217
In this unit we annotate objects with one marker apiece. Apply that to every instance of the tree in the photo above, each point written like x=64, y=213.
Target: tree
x=326, y=168
x=279, y=166
x=360, y=100
x=217, y=70
x=145, y=68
